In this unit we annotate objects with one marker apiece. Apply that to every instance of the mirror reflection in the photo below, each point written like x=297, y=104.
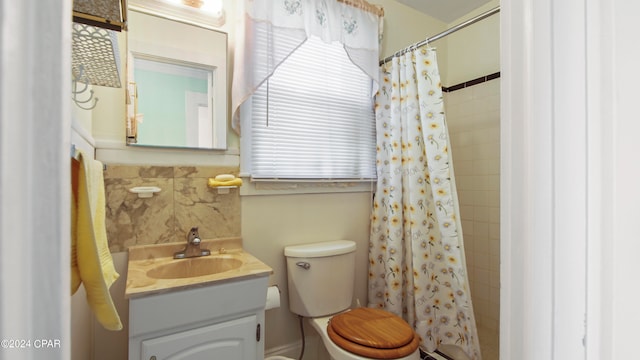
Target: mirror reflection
x=176, y=84
x=174, y=103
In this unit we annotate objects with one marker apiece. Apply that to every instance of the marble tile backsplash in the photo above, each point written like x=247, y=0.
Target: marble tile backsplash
x=184, y=201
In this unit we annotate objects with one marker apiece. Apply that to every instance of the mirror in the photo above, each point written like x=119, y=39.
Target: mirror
x=176, y=84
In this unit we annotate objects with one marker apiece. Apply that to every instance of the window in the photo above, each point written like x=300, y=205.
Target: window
x=313, y=119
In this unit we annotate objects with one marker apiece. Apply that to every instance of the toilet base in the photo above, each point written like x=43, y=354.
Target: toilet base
x=337, y=353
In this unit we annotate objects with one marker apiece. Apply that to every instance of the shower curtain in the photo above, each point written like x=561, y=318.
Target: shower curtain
x=417, y=265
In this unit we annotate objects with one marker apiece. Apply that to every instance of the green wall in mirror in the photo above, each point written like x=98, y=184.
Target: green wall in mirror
x=174, y=104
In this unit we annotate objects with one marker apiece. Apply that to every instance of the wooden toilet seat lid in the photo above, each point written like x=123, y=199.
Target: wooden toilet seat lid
x=373, y=333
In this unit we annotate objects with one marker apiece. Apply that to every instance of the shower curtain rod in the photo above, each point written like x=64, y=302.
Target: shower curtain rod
x=444, y=33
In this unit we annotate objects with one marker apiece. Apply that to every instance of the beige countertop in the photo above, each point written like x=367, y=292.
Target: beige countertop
x=147, y=259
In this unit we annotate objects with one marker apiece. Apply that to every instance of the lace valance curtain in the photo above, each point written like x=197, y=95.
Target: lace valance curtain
x=272, y=29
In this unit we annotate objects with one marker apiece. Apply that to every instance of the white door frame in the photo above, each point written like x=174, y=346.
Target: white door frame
x=569, y=193
x=35, y=124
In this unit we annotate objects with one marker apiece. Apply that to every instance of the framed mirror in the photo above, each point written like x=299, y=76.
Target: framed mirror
x=176, y=84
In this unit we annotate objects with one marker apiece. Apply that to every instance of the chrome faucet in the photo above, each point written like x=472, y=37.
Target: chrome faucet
x=193, y=246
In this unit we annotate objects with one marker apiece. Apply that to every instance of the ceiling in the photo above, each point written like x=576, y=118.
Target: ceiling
x=445, y=10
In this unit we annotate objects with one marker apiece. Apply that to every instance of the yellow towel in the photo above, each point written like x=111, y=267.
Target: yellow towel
x=215, y=183
x=91, y=259
x=75, y=272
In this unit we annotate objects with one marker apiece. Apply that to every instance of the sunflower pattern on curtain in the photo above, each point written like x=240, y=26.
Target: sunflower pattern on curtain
x=417, y=266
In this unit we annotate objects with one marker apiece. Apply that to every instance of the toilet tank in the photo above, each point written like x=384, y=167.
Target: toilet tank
x=320, y=277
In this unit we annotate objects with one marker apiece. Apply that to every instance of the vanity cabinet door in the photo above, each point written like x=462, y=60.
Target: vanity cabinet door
x=229, y=340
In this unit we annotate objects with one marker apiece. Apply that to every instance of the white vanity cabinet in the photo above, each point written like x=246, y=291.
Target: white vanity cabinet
x=223, y=321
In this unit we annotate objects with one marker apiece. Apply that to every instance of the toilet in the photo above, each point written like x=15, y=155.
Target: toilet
x=321, y=278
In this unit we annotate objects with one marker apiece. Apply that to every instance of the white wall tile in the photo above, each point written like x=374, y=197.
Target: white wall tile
x=464, y=182
x=480, y=198
x=462, y=167
x=486, y=89
x=494, y=231
x=459, y=115
x=474, y=126
x=494, y=198
x=481, y=214
x=462, y=138
x=458, y=97
x=467, y=228
x=485, y=120
x=463, y=153
x=483, y=262
x=481, y=234
x=466, y=212
x=494, y=215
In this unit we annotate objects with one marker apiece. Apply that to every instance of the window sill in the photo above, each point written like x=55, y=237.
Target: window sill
x=253, y=188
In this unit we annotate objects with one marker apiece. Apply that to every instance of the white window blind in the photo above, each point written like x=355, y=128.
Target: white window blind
x=313, y=119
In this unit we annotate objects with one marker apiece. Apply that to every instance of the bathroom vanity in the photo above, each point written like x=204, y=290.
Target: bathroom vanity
x=211, y=307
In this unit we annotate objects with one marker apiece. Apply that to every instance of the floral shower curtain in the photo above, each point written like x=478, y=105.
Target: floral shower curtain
x=417, y=265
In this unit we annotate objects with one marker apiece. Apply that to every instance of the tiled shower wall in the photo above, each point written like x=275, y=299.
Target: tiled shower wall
x=184, y=201
x=473, y=117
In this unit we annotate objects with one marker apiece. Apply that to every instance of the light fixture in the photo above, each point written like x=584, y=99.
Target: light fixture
x=212, y=6
x=208, y=13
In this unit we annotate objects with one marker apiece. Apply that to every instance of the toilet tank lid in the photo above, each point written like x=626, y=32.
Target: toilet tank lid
x=327, y=248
